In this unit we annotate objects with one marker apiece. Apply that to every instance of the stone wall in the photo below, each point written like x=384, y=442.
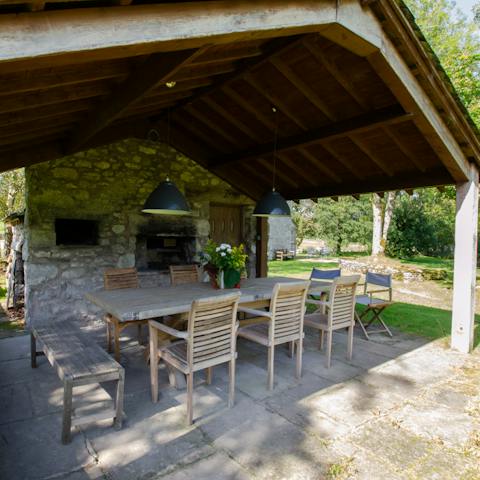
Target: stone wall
x=108, y=185
x=282, y=235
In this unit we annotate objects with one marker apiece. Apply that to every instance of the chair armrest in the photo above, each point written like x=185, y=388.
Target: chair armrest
x=165, y=329
x=252, y=311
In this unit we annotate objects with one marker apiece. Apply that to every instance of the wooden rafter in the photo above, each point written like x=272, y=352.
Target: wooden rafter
x=345, y=162
x=309, y=93
x=339, y=76
x=275, y=100
x=362, y=145
x=404, y=148
x=342, y=128
x=319, y=165
x=157, y=68
x=243, y=67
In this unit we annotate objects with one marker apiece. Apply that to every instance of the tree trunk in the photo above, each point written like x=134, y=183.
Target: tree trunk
x=377, y=248
x=387, y=217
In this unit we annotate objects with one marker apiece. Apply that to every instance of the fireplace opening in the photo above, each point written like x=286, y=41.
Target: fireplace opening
x=74, y=232
x=158, y=252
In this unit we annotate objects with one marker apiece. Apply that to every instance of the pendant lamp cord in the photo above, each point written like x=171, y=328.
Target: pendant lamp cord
x=275, y=141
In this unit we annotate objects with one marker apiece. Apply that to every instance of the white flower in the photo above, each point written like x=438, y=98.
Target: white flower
x=223, y=254
x=217, y=249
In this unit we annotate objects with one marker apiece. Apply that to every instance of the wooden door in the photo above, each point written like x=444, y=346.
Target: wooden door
x=226, y=224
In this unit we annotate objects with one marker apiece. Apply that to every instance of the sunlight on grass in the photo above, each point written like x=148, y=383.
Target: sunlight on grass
x=300, y=267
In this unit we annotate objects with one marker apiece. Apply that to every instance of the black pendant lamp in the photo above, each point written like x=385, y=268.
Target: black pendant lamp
x=272, y=204
x=166, y=199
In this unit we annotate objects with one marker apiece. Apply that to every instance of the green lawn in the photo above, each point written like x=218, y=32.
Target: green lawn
x=429, y=322
x=298, y=267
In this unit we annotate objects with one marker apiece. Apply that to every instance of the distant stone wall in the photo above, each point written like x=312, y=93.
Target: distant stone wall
x=108, y=185
x=282, y=235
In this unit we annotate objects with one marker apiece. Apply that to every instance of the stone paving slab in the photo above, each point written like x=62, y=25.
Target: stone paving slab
x=398, y=410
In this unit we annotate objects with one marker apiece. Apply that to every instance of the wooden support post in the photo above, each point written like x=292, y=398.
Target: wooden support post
x=465, y=267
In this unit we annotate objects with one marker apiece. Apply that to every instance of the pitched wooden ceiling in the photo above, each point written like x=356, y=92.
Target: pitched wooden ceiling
x=340, y=128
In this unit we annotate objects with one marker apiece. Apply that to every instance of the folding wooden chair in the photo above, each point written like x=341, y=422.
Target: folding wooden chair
x=340, y=313
x=374, y=306
x=284, y=323
x=211, y=339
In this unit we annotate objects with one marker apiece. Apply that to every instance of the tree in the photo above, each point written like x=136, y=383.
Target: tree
x=456, y=42
x=12, y=192
x=423, y=224
x=344, y=221
x=382, y=217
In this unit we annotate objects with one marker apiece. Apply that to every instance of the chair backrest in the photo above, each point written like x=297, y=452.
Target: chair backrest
x=318, y=274
x=342, y=301
x=212, y=330
x=380, y=280
x=116, y=278
x=180, y=274
x=288, y=310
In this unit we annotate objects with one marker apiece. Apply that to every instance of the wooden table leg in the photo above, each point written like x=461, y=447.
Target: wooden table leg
x=119, y=400
x=67, y=410
x=116, y=333
x=33, y=350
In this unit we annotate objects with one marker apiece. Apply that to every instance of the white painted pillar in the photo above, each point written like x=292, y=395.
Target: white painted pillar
x=465, y=266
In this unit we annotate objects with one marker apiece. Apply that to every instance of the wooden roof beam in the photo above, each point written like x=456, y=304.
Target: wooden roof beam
x=438, y=176
x=323, y=59
x=244, y=67
x=55, y=37
x=377, y=159
x=389, y=115
x=311, y=95
x=158, y=68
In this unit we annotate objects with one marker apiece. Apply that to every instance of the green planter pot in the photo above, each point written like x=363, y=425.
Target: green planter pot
x=231, y=278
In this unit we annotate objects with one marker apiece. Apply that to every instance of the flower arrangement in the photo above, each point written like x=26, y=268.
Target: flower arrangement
x=224, y=263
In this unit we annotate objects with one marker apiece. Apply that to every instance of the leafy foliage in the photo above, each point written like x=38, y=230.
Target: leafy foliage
x=456, y=42
x=423, y=224
x=224, y=256
x=12, y=192
x=338, y=222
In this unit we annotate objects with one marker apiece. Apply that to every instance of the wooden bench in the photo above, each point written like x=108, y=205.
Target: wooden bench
x=78, y=361
x=284, y=254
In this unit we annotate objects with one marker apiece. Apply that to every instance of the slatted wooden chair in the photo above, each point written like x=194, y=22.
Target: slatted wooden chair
x=374, y=306
x=284, y=323
x=340, y=313
x=210, y=340
x=180, y=274
x=115, y=279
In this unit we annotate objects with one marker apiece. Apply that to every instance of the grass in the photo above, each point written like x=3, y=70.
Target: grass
x=301, y=266
x=429, y=322
x=430, y=262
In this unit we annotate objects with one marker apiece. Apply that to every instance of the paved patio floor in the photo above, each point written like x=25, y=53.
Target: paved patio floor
x=402, y=408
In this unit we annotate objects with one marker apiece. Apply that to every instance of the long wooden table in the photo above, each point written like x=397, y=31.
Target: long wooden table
x=131, y=304
x=134, y=304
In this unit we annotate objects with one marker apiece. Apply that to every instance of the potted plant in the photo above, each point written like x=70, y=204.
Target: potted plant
x=224, y=264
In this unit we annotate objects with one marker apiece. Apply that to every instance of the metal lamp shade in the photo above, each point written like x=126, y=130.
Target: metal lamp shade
x=166, y=199
x=272, y=204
